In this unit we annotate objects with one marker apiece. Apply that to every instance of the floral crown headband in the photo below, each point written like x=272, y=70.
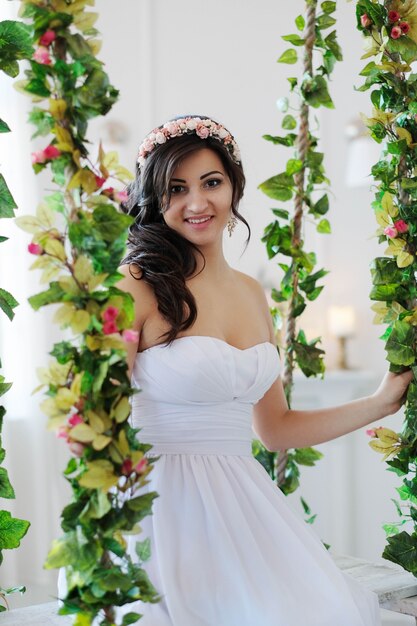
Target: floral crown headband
x=203, y=128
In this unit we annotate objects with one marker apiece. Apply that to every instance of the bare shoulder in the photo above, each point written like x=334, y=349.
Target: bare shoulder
x=252, y=285
x=140, y=290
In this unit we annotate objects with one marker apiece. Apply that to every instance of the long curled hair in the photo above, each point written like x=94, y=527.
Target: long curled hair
x=157, y=253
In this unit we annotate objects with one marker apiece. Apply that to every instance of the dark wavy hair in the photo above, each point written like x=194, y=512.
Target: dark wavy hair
x=157, y=253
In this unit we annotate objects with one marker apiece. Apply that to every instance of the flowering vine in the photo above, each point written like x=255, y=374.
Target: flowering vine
x=390, y=37
x=15, y=44
x=302, y=181
x=78, y=241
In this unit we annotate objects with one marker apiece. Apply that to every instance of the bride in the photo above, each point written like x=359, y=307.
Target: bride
x=226, y=548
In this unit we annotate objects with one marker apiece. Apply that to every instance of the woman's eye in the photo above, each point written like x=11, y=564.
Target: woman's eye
x=176, y=189
x=214, y=182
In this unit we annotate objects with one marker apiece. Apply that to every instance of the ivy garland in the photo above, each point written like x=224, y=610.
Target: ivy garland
x=79, y=240
x=390, y=32
x=303, y=180
x=15, y=44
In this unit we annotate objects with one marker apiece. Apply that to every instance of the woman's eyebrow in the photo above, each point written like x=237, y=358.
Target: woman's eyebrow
x=209, y=174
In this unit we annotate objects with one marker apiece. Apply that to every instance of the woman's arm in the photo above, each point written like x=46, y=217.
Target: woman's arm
x=280, y=428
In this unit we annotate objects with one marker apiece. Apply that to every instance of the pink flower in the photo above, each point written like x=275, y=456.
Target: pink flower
x=366, y=20
x=41, y=55
x=47, y=38
x=130, y=336
x=202, y=131
x=35, y=248
x=393, y=16
x=75, y=419
x=62, y=433
x=100, y=181
x=51, y=152
x=396, y=32
x=121, y=196
x=76, y=448
x=110, y=327
x=371, y=432
x=141, y=466
x=390, y=232
x=405, y=27
x=38, y=157
x=127, y=467
x=160, y=137
x=401, y=226
x=110, y=314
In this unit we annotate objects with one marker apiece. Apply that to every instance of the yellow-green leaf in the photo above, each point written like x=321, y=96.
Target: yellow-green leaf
x=99, y=475
x=65, y=398
x=101, y=441
x=80, y=321
x=29, y=223
x=64, y=314
x=121, y=411
x=83, y=269
x=387, y=435
x=56, y=249
x=83, y=433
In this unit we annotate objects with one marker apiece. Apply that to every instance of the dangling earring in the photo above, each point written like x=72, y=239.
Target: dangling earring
x=231, y=224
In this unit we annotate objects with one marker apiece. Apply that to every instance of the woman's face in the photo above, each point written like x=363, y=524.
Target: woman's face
x=201, y=198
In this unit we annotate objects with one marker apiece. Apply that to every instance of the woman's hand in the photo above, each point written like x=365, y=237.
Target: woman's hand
x=391, y=393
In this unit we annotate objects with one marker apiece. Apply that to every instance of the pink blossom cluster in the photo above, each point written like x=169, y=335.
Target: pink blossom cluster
x=128, y=467
x=398, y=227
x=399, y=28
x=47, y=154
x=203, y=128
x=41, y=54
x=109, y=317
x=110, y=192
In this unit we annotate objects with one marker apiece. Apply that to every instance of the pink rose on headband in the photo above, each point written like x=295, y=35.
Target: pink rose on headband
x=160, y=137
x=172, y=128
x=202, y=131
x=191, y=124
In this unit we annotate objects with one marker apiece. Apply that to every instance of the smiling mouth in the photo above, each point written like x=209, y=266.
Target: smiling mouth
x=201, y=220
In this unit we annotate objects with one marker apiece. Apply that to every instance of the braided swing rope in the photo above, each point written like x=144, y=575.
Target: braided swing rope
x=302, y=144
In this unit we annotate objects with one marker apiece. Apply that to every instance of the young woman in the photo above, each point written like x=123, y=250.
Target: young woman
x=226, y=548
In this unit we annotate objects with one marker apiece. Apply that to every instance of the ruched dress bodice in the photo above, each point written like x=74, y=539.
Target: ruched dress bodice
x=226, y=549
x=197, y=394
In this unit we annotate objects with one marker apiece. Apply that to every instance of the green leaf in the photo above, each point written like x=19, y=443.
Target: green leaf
x=130, y=618
x=12, y=530
x=110, y=223
x=51, y=295
x=324, y=226
x=15, y=42
x=325, y=21
x=7, y=303
x=293, y=166
x=399, y=346
x=315, y=92
x=281, y=213
x=308, y=457
x=402, y=549
x=328, y=7
x=321, y=206
x=7, y=204
x=289, y=122
x=289, y=56
x=295, y=39
x=38, y=87
x=300, y=22
x=404, y=46
x=4, y=128
x=278, y=187
x=283, y=141
x=6, y=489
x=143, y=549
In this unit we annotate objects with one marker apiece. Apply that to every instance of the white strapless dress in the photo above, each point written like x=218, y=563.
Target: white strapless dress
x=226, y=548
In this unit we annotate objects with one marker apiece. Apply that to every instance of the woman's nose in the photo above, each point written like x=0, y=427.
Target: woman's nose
x=197, y=201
